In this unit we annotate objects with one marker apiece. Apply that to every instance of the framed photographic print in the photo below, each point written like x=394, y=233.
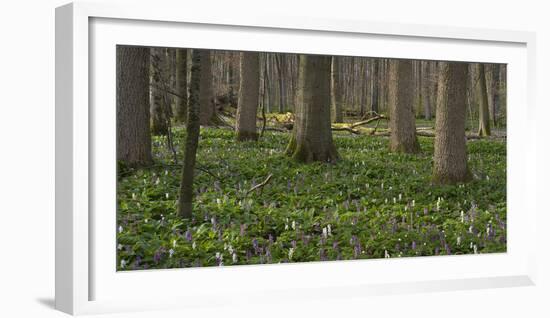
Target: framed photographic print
x=235, y=155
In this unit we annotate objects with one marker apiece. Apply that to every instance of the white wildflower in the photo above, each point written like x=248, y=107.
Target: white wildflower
x=294, y=225
x=171, y=252
x=157, y=181
x=413, y=203
x=194, y=245
x=471, y=229
x=394, y=200
x=146, y=220
x=386, y=254
x=120, y=246
x=290, y=253
x=458, y=240
x=133, y=196
x=462, y=216
x=173, y=243
x=218, y=201
x=235, y=258
x=400, y=196
x=120, y=229
x=167, y=195
x=325, y=232
x=475, y=249
x=123, y=263
x=329, y=231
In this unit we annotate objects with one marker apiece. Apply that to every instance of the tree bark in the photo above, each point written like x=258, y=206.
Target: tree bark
x=133, y=133
x=425, y=90
x=336, y=96
x=401, y=97
x=249, y=96
x=207, y=108
x=159, y=109
x=484, y=120
x=311, y=139
x=450, y=158
x=375, y=86
x=185, y=202
x=181, y=85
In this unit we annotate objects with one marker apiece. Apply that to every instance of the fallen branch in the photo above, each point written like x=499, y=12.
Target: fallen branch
x=370, y=120
x=260, y=185
x=353, y=131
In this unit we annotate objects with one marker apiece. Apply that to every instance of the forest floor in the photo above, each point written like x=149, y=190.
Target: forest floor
x=370, y=204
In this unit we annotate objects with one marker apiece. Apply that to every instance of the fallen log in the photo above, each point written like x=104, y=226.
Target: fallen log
x=348, y=129
x=370, y=120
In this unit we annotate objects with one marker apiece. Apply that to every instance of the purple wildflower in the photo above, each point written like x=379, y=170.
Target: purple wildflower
x=188, y=235
x=413, y=245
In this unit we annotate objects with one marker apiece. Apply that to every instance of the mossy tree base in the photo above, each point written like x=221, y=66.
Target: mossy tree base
x=303, y=152
x=440, y=178
x=247, y=136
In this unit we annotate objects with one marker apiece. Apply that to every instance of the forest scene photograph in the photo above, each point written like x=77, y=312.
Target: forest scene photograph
x=238, y=158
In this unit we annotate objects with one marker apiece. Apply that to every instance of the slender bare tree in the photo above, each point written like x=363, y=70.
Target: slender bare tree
x=249, y=96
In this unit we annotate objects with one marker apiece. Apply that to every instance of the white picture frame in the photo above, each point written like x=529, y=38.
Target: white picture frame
x=86, y=278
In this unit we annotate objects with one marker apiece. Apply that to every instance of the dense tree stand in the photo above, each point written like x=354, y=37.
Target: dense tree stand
x=185, y=208
x=249, y=96
x=133, y=135
x=402, y=121
x=450, y=158
x=311, y=138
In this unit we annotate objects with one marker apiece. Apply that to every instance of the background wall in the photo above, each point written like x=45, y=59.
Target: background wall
x=27, y=157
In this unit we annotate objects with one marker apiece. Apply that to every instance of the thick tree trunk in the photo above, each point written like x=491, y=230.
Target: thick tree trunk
x=207, y=109
x=425, y=90
x=484, y=121
x=159, y=109
x=133, y=133
x=185, y=202
x=450, y=158
x=249, y=90
x=181, y=85
x=336, y=96
x=311, y=139
x=401, y=97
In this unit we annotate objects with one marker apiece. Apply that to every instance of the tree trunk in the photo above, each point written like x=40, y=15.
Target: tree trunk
x=484, y=121
x=425, y=90
x=181, y=85
x=159, y=113
x=336, y=96
x=311, y=139
x=450, y=158
x=133, y=133
x=185, y=202
x=401, y=97
x=249, y=90
x=279, y=61
x=495, y=91
x=207, y=109
x=375, y=86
